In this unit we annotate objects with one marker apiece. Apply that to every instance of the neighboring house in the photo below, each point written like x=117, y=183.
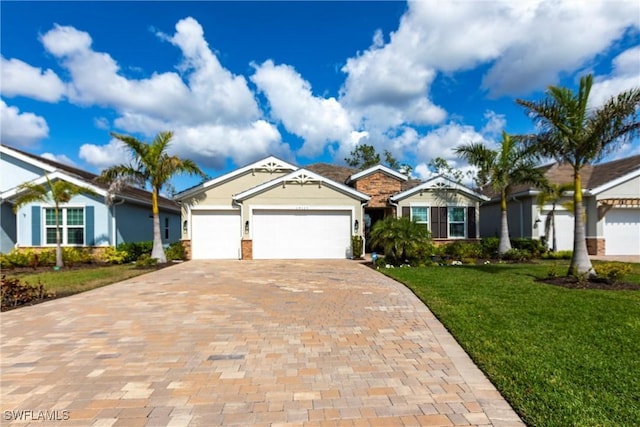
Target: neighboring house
x=611, y=193
x=273, y=209
x=87, y=221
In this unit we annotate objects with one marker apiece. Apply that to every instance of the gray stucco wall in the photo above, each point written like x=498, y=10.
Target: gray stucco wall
x=7, y=228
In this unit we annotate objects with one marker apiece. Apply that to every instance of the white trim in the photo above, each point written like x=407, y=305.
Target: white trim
x=300, y=177
x=63, y=225
x=465, y=210
x=214, y=208
x=430, y=186
x=37, y=163
x=613, y=183
x=55, y=175
x=377, y=168
x=271, y=163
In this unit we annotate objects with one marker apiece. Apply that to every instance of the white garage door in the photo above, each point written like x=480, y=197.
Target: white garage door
x=215, y=234
x=622, y=232
x=301, y=234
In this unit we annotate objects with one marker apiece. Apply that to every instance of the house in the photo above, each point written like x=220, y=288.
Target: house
x=611, y=197
x=87, y=220
x=274, y=209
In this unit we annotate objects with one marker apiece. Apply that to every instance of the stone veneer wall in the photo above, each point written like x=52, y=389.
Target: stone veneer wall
x=247, y=249
x=186, y=244
x=595, y=246
x=379, y=186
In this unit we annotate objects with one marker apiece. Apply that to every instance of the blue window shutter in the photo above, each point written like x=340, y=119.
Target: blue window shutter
x=89, y=227
x=36, y=225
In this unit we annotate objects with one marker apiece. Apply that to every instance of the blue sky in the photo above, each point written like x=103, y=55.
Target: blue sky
x=305, y=81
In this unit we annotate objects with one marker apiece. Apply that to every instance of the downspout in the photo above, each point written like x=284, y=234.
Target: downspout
x=241, y=205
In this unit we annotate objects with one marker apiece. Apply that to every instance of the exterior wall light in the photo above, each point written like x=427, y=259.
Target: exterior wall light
x=246, y=227
x=356, y=226
x=185, y=226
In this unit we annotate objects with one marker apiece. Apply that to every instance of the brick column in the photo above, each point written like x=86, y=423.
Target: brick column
x=595, y=246
x=247, y=249
x=186, y=244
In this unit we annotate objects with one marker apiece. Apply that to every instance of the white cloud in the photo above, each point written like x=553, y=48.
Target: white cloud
x=60, y=158
x=625, y=76
x=495, y=123
x=442, y=141
x=104, y=156
x=21, y=129
x=21, y=79
x=319, y=121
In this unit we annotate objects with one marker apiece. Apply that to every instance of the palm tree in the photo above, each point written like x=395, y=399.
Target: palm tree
x=401, y=238
x=150, y=165
x=55, y=193
x=509, y=165
x=572, y=132
x=552, y=193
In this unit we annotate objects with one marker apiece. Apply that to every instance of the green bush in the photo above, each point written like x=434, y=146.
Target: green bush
x=460, y=250
x=73, y=256
x=612, y=272
x=356, y=246
x=112, y=255
x=534, y=246
x=175, y=252
x=135, y=249
x=15, y=258
x=404, y=241
x=145, y=261
x=490, y=247
x=519, y=255
x=557, y=255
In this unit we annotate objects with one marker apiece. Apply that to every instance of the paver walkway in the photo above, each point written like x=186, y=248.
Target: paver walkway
x=209, y=343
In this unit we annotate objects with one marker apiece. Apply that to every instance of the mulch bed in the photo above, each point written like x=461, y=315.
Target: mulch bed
x=572, y=283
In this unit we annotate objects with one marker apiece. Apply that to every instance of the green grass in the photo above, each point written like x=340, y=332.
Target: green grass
x=561, y=357
x=73, y=281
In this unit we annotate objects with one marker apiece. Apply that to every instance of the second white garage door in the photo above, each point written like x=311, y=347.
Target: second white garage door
x=215, y=234
x=622, y=232
x=301, y=234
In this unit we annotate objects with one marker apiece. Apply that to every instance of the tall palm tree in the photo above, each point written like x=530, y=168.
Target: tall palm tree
x=552, y=193
x=55, y=193
x=151, y=164
x=572, y=132
x=503, y=168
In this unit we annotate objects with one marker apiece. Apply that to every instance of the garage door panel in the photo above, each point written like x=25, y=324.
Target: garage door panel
x=301, y=234
x=215, y=234
x=622, y=231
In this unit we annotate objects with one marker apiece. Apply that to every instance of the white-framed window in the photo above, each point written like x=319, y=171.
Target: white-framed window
x=166, y=228
x=420, y=214
x=457, y=222
x=72, y=223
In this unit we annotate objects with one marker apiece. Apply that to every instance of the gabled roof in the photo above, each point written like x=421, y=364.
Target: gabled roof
x=377, y=168
x=336, y=173
x=301, y=176
x=595, y=178
x=269, y=164
x=439, y=183
x=56, y=170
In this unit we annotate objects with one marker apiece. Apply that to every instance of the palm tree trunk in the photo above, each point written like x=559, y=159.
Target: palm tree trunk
x=59, y=260
x=554, y=246
x=505, y=242
x=158, y=251
x=580, y=262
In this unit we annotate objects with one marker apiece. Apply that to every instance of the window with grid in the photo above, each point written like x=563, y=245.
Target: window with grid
x=457, y=223
x=71, y=226
x=420, y=214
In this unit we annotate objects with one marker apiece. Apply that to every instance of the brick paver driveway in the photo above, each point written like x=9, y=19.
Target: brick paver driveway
x=242, y=343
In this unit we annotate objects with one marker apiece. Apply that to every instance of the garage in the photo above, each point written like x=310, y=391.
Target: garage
x=622, y=231
x=215, y=234
x=301, y=234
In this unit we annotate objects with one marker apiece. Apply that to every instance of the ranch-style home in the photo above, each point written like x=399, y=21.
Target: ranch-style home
x=611, y=194
x=87, y=220
x=274, y=209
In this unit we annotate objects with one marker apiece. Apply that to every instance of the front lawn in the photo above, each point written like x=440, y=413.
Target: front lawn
x=561, y=357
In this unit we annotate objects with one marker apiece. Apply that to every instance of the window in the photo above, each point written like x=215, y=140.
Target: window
x=457, y=224
x=71, y=226
x=166, y=228
x=420, y=215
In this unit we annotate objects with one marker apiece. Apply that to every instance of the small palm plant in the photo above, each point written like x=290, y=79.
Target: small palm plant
x=401, y=239
x=55, y=193
x=552, y=193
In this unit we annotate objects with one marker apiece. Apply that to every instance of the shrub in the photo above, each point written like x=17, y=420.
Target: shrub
x=15, y=258
x=72, y=256
x=48, y=257
x=533, y=246
x=518, y=255
x=14, y=293
x=613, y=271
x=460, y=250
x=145, y=261
x=135, y=249
x=356, y=246
x=490, y=247
x=403, y=240
x=112, y=255
x=175, y=251
x=557, y=255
